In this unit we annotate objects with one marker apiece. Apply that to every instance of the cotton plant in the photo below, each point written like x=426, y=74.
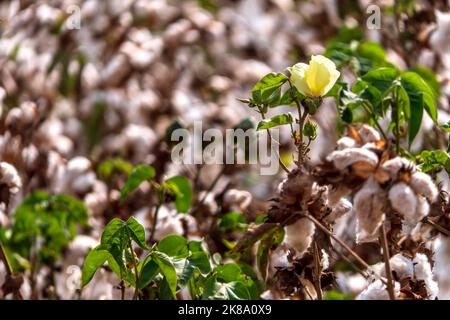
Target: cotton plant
x=370, y=174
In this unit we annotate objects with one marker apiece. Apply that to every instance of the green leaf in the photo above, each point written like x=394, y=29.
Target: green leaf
x=148, y=269
x=112, y=230
x=137, y=232
x=268, y=84
x=111, y=166
x=268, y=242
x=173, y=246
x=430, y=78
x=181, y=188
x=232, y=221
x=372, y=51
x=228, y=272
x=381, y=78
x=415, y=86
x=215, y=290
x=167, y=269
x=139, y=174
x=336, y=295
x=94, y=260
x=435, y=160
x=275, y=121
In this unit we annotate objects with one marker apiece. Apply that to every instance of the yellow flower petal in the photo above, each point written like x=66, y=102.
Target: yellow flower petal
x=298, y=78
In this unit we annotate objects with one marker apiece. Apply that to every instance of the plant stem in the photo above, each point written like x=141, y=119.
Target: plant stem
x=155, y=219
x=317, y=272
x=5, y=260
x=122, y=290
x=136, y=291
x=211, y=186
x=346, y=247
x=283, y=166
x=366, y=107
x=384, y=245
x=437, y=226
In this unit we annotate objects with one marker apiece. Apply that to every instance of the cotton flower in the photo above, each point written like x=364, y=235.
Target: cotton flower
x=315, y=79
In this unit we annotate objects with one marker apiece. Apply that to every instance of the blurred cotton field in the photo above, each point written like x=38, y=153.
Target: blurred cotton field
x=91, y=89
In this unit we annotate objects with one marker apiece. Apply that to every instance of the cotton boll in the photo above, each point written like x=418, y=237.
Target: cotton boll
x=394, y=165
x=350, y=283
x=10, y=177
x=83, y=183
x=168, y=223
x=424, y=185
x=413, y=218
x=279, y=258
x=344, y=158
x=325, y=261
x=299, y=235
x=78, y=249
x=403, y=200
x=378, y=291
x=335, y=195
x=368, y=134
x=442, y=261
x=346, y=142
x=368, y=205
x=422, y=271
x=402, y=266
x=342, y=207
x=237, y=200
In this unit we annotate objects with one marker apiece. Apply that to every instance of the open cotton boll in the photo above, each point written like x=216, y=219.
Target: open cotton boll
x=412, y=218
x=394, y=165
x=422, y=271
x=442, y=261
x=10, y=177
x=237, y=200
x=368, y=134
x=377, y=291
x=402, y=266
x=344, y=158
x=403, y=199
x=342, y=207
x=423, y=184
x=279, y=258
x=368, y=205
x=346, y=142
x=299, y=235
x=350, y=283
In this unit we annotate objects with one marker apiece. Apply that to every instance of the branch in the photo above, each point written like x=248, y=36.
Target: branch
x=387, y=264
